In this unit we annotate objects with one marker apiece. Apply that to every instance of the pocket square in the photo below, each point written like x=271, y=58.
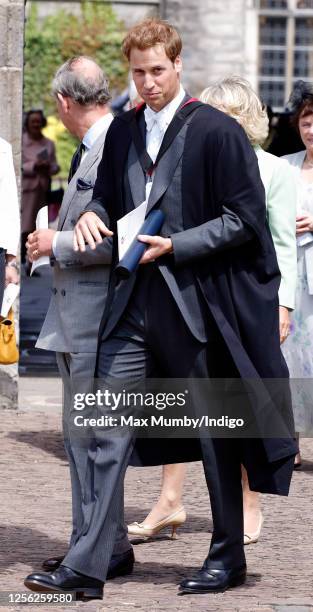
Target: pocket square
x=82, y=185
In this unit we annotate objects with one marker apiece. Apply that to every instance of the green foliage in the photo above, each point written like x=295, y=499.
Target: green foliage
x=65, y=147
x=96, y=32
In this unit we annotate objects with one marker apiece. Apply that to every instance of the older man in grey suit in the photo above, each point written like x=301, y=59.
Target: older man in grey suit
x=79, y=281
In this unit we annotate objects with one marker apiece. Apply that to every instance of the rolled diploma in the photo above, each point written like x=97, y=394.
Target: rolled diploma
x=151, y=226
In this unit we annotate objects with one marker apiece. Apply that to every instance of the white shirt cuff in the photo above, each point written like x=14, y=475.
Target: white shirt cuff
x=54, y=244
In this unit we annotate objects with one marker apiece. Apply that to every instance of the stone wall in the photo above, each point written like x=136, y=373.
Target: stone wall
x=217, y=39
x=11, y=92
x=11, y=72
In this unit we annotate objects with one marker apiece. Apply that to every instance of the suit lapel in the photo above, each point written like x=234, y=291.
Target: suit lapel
x=170, y=153
x=81, y=172
x=173, y=128
x=171, y=150
x=166, y=168
x=136, y=177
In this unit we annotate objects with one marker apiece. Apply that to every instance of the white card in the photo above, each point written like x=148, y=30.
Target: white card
x=304, y=239
x=128, y=227
x=41, y=223
x=10, y=294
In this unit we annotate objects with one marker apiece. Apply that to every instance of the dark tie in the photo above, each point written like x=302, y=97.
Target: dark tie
x=76, y=159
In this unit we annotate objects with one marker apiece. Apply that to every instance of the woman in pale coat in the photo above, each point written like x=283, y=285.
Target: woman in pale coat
x=235, y=97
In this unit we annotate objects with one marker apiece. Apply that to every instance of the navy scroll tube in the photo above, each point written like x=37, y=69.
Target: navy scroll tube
x=129, y=263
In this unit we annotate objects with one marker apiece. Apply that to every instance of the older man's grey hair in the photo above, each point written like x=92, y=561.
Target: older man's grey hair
x=82, y=79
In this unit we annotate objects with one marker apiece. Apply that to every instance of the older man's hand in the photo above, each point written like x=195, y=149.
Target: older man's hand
x=88, y=230
x=39, y=243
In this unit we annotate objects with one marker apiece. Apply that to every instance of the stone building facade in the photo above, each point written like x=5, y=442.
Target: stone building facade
x=270, y=42
x=11, y=94
x=216, y=33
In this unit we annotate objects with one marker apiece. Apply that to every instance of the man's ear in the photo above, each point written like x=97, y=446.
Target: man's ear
x=178, y=64
x=64, y=101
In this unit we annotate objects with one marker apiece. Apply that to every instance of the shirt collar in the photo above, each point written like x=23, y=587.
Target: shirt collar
x=166, y=114
x=96, y=130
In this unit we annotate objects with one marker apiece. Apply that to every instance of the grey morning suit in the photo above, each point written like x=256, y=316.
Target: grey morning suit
x=71, y=325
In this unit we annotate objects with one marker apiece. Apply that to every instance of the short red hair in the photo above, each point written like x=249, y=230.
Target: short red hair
x=152, y=32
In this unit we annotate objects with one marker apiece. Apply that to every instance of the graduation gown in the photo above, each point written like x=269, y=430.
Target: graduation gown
x=238, y=279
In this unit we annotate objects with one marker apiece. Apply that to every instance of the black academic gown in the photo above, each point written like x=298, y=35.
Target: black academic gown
x=239, y=282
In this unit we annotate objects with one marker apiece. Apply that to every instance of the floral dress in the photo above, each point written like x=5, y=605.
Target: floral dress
x=298, y=348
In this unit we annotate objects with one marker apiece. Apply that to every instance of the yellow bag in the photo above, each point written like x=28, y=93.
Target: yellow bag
x=8, y=350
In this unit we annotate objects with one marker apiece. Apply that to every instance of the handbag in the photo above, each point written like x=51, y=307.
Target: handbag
x=9, y=352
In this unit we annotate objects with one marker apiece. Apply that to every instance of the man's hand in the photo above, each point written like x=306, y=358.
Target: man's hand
x=304, y=223
x=39, y=243
x=88, y=229
x=158, y=246
x=284, y=323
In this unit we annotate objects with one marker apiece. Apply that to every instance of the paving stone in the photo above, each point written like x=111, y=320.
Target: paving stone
x=36, y=519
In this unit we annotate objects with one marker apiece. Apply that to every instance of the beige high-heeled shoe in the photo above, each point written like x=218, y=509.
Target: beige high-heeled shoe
x=174, y=520
x=252, y=538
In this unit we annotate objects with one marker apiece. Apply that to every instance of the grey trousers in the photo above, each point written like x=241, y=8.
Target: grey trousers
x=152, y=340
x=80, y=367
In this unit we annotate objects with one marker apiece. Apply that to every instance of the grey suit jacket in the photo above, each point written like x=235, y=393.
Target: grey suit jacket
x=80, y=280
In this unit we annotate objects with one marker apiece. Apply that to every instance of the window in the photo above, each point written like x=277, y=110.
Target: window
x=285, y=48
x=273, y=63
x=272, y=93
x=273, y=30
x=305, y=4
x=304, y=31
x=273, y=4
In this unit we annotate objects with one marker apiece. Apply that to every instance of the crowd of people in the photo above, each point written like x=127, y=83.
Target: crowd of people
x=222, y=291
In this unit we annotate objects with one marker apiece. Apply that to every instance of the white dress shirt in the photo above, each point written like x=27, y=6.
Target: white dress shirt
x=89, y=140
x=94, y=132
x=157, y=124
x=9, y=207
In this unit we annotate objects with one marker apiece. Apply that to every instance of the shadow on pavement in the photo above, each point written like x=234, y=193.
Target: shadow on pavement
x=20, y=544
x=171, y=573
x=30, y=547
x=306, y=466
x=50, y=442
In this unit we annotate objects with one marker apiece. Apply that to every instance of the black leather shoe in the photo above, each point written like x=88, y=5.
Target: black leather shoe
x=49, y=565
x=65, y=580
x=209, y=580
x=120, y=565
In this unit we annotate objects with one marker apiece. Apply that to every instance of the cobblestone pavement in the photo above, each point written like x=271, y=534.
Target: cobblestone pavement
x=35, y=523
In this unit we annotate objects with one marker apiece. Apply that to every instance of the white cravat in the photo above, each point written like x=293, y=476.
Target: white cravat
x=156, y=126
x=157, y=123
